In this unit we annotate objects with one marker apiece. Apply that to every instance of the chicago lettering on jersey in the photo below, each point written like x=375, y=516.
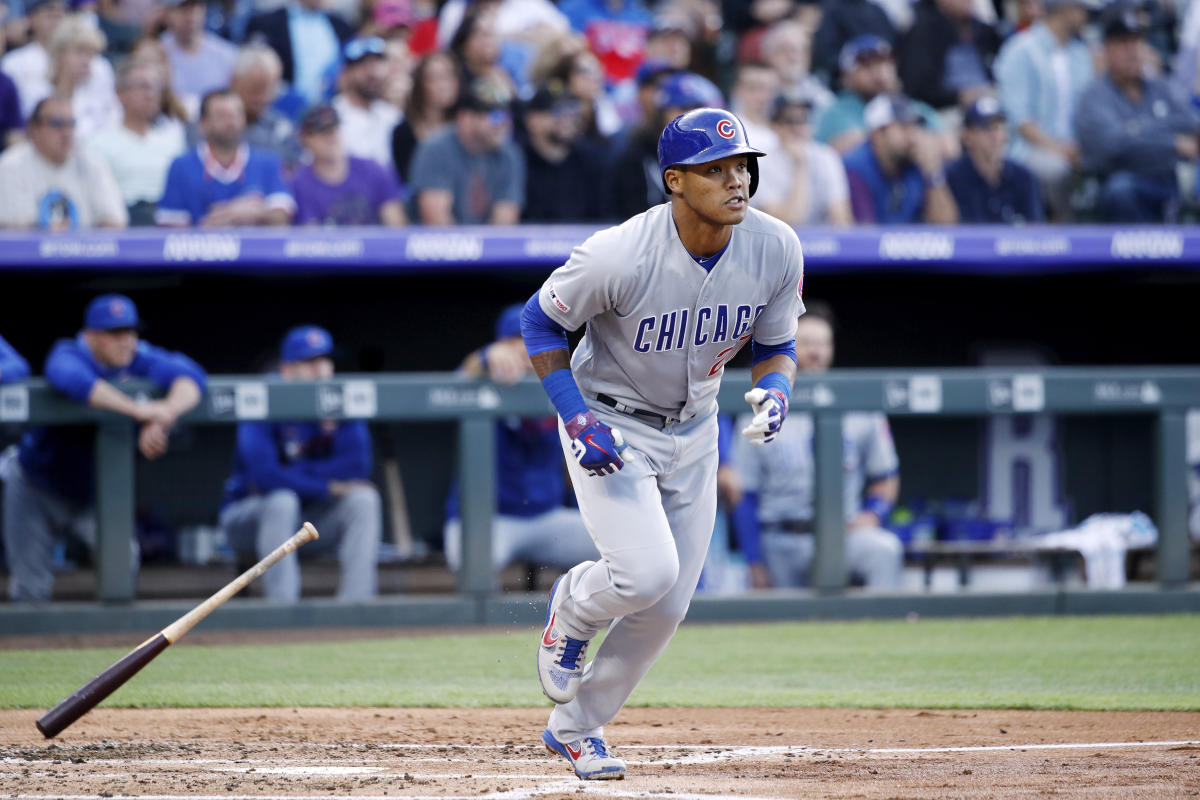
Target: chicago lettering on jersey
x=674, y=330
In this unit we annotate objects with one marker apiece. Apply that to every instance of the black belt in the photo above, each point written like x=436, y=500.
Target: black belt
x=652, y=417
x=788, y=526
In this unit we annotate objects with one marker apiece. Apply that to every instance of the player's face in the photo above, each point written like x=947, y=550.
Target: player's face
x=814, y=345
x=312, y=369
x=717, y=191
x=115, y=348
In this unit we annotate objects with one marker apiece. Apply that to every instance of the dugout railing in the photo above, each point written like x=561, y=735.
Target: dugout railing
x=1164, y=393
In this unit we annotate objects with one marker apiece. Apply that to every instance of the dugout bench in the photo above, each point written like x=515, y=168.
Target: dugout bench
x=1165, y=393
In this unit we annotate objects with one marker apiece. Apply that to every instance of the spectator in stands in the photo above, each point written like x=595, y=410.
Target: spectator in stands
x=12, y=121
x=224, y=181
x=641, y=110
x=531, y=522
x=74, y=49
x=472, y=172
x=201, y=62
x=616, y=31
x=49, y=490
x=1040, y=75
x=476, y=47
x=637, y=181
x=841, y=23
x=29, y=65
x=367, y=119
x=755, y=87
x=774, y=520
x=1133, y=130
x=13, y=367
x=288, y=472
x=430, y=107
x=898, y=175
x=945, y=58
x=257, y=80
x=806, y=184
x=987, y=186
x=557, y=164
x=566, y=62
x=671, y=37
x=151, y=51
x=868, y=70
x=333, y=188
x=308, y=40
x=140, y=149
x=787, y=48
x=51, y=184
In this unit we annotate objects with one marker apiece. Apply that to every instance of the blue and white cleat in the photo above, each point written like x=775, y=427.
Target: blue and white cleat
x=591, y=758
x=560, y=657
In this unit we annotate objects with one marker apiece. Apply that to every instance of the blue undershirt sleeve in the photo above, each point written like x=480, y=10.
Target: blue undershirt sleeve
x=541, y=333
x=764, y=351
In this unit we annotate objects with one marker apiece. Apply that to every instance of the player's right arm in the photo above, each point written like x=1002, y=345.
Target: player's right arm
x=595, y=445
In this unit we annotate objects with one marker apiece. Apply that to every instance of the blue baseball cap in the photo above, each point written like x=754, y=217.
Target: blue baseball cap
x=110, y=312
x=687, y=90
x=861, y=49
x=305, y=342
x=982, y=112
x=508, y=324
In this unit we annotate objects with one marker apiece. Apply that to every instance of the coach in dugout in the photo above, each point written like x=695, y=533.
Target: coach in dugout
x=49, y=488
x=288, y=472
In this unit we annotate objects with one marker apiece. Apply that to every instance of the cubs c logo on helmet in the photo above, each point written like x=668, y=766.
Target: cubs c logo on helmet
x=726, y=129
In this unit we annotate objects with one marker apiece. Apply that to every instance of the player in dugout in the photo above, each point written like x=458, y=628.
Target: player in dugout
x=287, y=472
x=49, y=488
x=13, y=367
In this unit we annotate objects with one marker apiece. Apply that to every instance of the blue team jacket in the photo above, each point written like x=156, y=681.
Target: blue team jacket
x=12, y=367
x=59, y=458
x=300, y=456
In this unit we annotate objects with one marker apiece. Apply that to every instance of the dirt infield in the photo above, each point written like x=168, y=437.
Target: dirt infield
x=494, y=754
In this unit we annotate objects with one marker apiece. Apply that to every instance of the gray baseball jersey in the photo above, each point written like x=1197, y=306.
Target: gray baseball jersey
x=783, y=474
x=660, y=328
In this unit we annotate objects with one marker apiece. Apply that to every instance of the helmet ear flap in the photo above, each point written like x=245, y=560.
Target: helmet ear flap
x=752, y=166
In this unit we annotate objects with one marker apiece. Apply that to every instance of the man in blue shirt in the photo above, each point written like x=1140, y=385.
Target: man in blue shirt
x=897, y=176
x=987, y=187
x=288, y=472
x=531, y=523
x=224, y=181
x=13, y=368
x=49, y=491
x=1134, y=130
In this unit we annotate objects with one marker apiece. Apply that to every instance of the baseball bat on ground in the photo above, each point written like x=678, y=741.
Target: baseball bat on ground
x=90, y=694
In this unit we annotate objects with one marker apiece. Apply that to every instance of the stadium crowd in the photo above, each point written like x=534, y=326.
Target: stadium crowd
x=395, y=112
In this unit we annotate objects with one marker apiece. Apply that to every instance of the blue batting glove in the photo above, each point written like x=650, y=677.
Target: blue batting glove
x=770, y=409
x=595, y=446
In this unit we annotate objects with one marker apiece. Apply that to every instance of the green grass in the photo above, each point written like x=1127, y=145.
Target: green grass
x=1142, y=663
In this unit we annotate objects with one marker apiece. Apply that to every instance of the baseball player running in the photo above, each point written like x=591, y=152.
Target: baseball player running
x=668, y=298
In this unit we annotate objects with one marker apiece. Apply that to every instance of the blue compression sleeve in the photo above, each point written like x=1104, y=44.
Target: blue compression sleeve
x=564, y=393
x=745, y=528
x=764, y=351
x=775, y=380
x=541, y=333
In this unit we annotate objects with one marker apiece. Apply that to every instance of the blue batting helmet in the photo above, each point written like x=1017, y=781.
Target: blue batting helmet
x=702, y=135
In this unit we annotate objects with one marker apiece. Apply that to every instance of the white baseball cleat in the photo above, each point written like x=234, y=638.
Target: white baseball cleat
x=560, y=657
x=591, y=758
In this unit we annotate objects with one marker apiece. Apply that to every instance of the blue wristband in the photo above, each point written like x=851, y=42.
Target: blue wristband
x=564, y=393
x=877, y=506
x=775, y=380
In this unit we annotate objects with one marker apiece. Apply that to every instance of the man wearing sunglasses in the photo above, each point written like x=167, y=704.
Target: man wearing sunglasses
x=62, y=187
x=366, y=118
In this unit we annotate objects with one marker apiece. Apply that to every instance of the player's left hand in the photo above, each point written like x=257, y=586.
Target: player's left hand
x=596, y=446
x=770, y=409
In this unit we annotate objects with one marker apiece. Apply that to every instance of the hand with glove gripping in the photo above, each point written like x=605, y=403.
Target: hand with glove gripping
x=596, y=446
x=770, y=409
